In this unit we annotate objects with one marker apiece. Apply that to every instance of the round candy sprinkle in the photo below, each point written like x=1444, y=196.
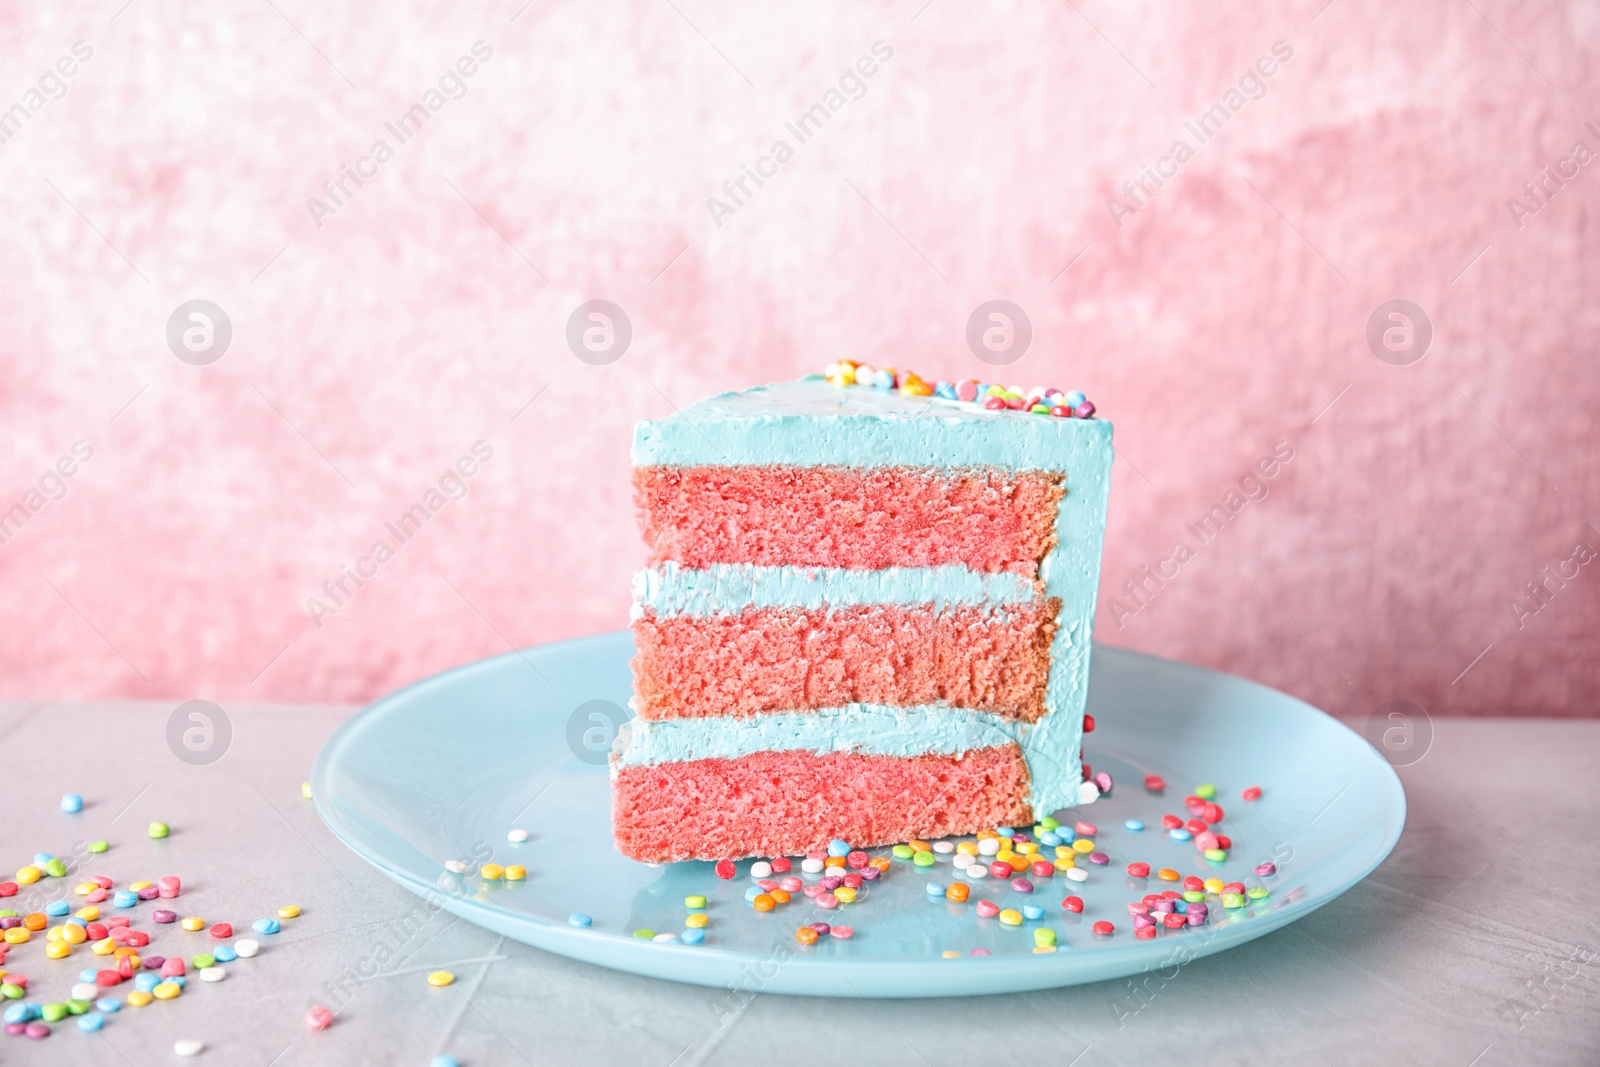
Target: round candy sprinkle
x=492, y=872
x=247, y=948
x=438, y=979
x=1103, y=928
x=579, y=919
x=193, y=924
x=159, y=830
x=1043, y=935
x=1138, y=870
x=1252, y=793
x=726, y=869
x=1265, y=869
x=761, y=869
x=694, y=901
x=1206, y=791
x=988, y=909
x=72, y=803
x=692, y=937
x=1077, y=874
x=318, y=1017
x=805, y=935
x=266, y=926
x=517, y=836
x=97, y=846
x=645, y=935
x=1010, y=917
x=212, y=973
x=1155, y=783
x=1032, y=911
x=958, y=892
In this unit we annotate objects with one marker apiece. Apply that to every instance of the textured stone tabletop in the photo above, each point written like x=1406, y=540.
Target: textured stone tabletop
x=1470, y=945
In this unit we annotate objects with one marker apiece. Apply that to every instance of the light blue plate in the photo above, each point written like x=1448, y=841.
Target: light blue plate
x=443, y=769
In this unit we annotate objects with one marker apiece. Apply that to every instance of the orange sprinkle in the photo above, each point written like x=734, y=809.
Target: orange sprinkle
x=806, y=936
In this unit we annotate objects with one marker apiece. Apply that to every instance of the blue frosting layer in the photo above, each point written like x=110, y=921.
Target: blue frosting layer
x=812, y=423
x=729, y=588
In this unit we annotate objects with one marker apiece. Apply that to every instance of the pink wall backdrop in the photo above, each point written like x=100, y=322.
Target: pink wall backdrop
x=1357, y=153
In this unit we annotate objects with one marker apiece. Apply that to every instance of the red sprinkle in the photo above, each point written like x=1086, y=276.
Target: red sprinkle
x=726, y=870
x=1212, y=813
x=1233, y=887
x=1195, y=826
x=1139, y=870
x=1073, y=903
x=1194, y=884
x=1155, y=783
x=1103, y=928
x=781, y=865
x=1224, y=841
x=1145, y=932
x=1088, y=720
x=1172, y=920
x=222, y=930
x=8, y=889
x=1252, y=793
x=1171, y=822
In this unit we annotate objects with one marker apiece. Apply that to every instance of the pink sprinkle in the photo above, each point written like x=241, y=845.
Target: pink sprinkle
x=827, y=900
x=319, y=1018
x=979, y=952
x=988, y=909
x=1265, y=869
x=846, y=932
x=1086, y=829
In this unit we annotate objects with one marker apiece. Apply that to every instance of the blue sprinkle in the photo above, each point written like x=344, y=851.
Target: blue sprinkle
x=838, y=847
x=75, y=921
x=1004, y=831
x=266, y=926
x=944, y=391
x=1134, y=824
x=1032, y=911
x=125, y=898
x=579, y=919
x=145, y=981
x=41, y=858
x=72, y=803
x=22, y=1013
x=693, y=937
x=177, y=979
x=109, y=1005
x=1179, y=834
x=57, y=908
x=88, y=974
x=753, y=892
x=224, y=954
x=1180, y=906
x=91, y=1022
x=935, y=889
x=1050, y=839
x=442, y=1060
x=1073, y=399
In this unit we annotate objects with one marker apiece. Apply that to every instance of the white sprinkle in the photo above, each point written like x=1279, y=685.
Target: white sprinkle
x=212, y=974
x=517, y=836
x=247, y=948
x=455, y=866
x=1077, y=874
x=662, y=939
x=1088, y=792
x=188, y=1048
x=811, y=866
x=975, y=872
x=761, y=869
x=989, y=846
x=85, y=991
x=943, y=848
x=963, y=861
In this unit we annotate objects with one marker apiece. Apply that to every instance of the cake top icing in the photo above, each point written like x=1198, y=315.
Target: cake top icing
x=814, y=421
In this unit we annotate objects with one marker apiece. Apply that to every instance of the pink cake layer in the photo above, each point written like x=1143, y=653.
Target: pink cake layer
x=788, y=803
x=784, y=659
x=867, y=519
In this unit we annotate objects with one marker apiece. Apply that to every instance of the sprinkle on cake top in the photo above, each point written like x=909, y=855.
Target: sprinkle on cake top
x=1040, y=400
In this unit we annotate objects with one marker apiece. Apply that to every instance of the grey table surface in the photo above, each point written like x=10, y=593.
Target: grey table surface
x=1471, y=946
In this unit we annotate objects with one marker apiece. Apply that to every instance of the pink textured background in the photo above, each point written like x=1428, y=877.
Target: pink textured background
x=370, y=352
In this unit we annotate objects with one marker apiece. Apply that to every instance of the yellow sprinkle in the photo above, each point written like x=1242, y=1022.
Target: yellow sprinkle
x=103, y=948
x=493, y=871
x=193, y=923
x=696, y=921
x=441, y=978
x=845, y=894
x=29, y=874
x=53, y=934
x=17, y=935
x=1011, y=917
x=1027, y=848
x=166, y=990
x=951, y=954
x=288, y=911
x=1214, y=885
x=89, y=914
x=516, y=872
x=136, y=886
x=138, y=998
x=83, y=889
x=73, y=934
x=1043, y=948
x=969, y=848
x=58, y=950
x=1083, y=844
x=983, y=835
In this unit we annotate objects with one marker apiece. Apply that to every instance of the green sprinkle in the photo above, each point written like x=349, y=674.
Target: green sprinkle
x=98, y=846
x=695, y=901
x=1233, y=900
x=203, y=960
x=1194, y=896
x=923, y=859
x=1257, y=892
x=645, y=935
x=78, y=1007
x=159, y=829
x=12, y=992
x=56, y=868
x=305, y=790
x=1206, y=791
x=53, y=1013
x=1043, y=935
x=1050, y=822
x=9, y=913
x=1216, y=855
x=903, y=852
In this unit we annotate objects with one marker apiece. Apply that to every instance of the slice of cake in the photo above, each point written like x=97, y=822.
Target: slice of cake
x=866, y=615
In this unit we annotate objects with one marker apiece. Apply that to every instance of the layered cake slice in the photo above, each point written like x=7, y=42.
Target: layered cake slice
x=866, y=615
